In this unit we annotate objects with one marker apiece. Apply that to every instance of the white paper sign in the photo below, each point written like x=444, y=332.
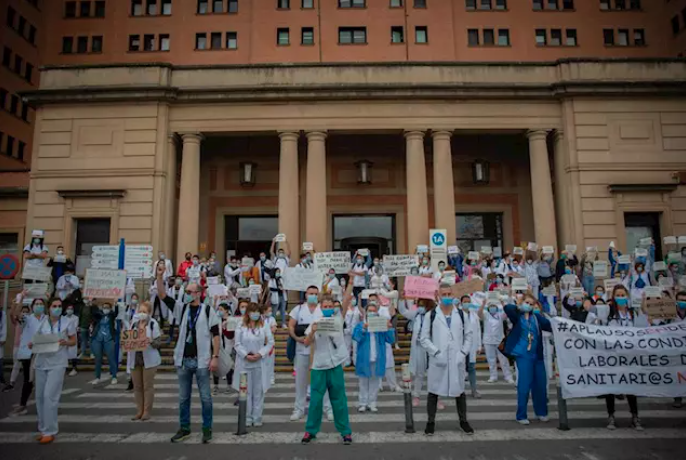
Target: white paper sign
x=659, y=266
x=339, y=261
x=299, y=278
x=532, y=247
x=400, y=264
x=519, y=284
x=308, y=246
x=45, y=343
x=35, y=291
x=577, y=292
x=645, y=242
x=243, y=293
x=38, y=273
x=255, y=289
x=666, y=282
x=641, y=252
x=329, y=326
x=280, y=238
x=486, y=250
x=233, y=323
x=473, y=255
x=453, y=250
x=422, y=249
x=610, y=284
x=652, y=292
x=213, y=281
x=61, y=258
x=624, y=260
x=518, y=251
x=682, y=240
x=669, y=239
x=600, y=269
x=378, y=324
x=104, y=284
x=497, y=252
x=548, y=250
x=570, y=248
x=599, y=360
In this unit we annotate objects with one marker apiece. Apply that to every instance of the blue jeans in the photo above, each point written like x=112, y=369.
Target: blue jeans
x=471, y=371
x=84, y=340
x=589, y=284
x=100, y=347
x=281, y=306
x=531, y=378
x=188, y=368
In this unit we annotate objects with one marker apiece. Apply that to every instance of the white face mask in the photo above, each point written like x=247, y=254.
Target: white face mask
x=143, y=316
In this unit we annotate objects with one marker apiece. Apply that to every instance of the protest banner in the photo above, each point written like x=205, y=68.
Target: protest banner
x=280, y=238
x=422, y=249
x=576, y=292
x=473, y=255
x=308, y=247
x=610, y=284
x=340, y=261
x=662, y=308
x=449, y=277
x=599, y=360
x=518, y=251
x=600, y=269
x=299, y=278
x=36, y=272
x=104, y=283
x=35, y=291
x=60, y=258
x=669, y=240
x=378, y=324
x=420, y=287
x=467, y=287
x=532, y=247
x=133, y=340
x=519, y=284
x=570, y=248
x=659, y=266
x=400, y=264
x=329, y=326
x=624, y=260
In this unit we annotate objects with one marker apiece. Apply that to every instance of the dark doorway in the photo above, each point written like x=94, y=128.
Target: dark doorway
x=377, y=246
x=358, y=231
x=642, y=225
x=249, y=234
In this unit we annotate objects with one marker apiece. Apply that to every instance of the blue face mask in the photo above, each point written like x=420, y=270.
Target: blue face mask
x=354, y=302
x=372, y=315
x=537, y=310
x=473, y=306
x=526, y=308
x=681, y=304
x=578, y=304
x=336, y=311
x=422, y=310
x=446, y=301
x=187, y=298
x=255, y=316
x=56, y=312
x=568, y=271
x=312, y=299
x=327, y=312
x=39, y=309
x=622, y=301
x=493, y=310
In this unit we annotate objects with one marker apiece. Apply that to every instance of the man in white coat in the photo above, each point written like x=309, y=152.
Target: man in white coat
x=448, y=343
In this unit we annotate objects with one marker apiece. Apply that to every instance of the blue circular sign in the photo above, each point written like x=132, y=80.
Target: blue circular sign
x=438, y=239
x=9, y=266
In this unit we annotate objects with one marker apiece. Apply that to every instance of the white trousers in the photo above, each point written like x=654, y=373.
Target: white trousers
x=48, y=391
x=390, y=378
x=369, y=390
x=493, y=356
x=548, y=351
x=16, y=367
x=354, y=352
x=301, y=365
x=418, y=383
x=255, y=403
x=271, y=361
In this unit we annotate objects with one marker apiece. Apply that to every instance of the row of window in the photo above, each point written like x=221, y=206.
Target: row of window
x=620, y=5
x=14, y=105
x=676, y=25
x=86, y=9
x=20, y=25
x=82, y=44
x=152, y=7
x=150, y=42
x=18, y=66
x=307, y=4
x=9, y=149
x=624, y=37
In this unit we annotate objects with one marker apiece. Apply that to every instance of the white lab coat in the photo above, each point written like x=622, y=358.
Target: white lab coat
x=177, y=295
x=475, y=324
x=447, y=349
x=418, y=355
x=66, y=285
x=71, y=351
x=256, y=341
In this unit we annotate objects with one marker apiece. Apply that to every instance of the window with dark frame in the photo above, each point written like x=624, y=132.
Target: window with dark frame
x=283, y=36
x=82, y=45
x=676, y=26
x=555, y=37
x=11, y=15
x=28, y=72
x=488, y=37
x=96, y=44
x=136, y=7
x=151, y=7
x=18, y=64
x=473, y=37
x=215, y=40
x=218, y=6
x=164, y=42
x=21, y=148
x=307, y=36
x=25, y=112
x=503, y=37
x=352, y=3
x=420, y=3
x=202, y=7
x=148, y=42
x=620, y=4
x=537, y=5
x=200, y=41
x=485, y=4
x=567, y=4
x=283, y=4
x=6, y=56
x=14, y=104
x=396, y=3
x=232, y=40
x=84, y=9
x=552, y=5
x=604, y=4
x=233, y=6
x=134, y=42
x=570, y=37
x=397, y=34
x=21, y=26
x=70, y=9
x=99, y=9
x=623, y=37
x=307, y=4
x=421, y=34
x=32, y=34
x=352, y=35
x=500, y=4
x=3, y=98
x=470, y=4
x=10, y=146
x=639, y=37
x=67, y=45
x=608, y=37
x=475, y=230
x=166, y=7
x=541, y=37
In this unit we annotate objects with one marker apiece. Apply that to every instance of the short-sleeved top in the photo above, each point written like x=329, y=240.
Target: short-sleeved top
x=329, y=351
x=35, y=250
x=281, y=263
x=59, y=359
x=302, y=315
x=360, y=280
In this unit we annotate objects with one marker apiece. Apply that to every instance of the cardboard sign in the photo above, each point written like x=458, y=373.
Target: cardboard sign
x=518, y=251
x=422, y=249
x=570, y=248
x=659, y=266
x=243, y=293
x=532, y=247
x=669, y=240
x=611, y=283
x=661, y=308
x=548, y=250
x=624, y=260
x=600, y=269
x=330, y=326
x=453, y=250
x=308, y=246
x=645, y=242
x=104, y=284
x=549, y=290
x=133, y=340
x=339, y=261
x=641, y=252
x=280, y=238
x=486, y=250
x=420, y=287
x=519, y=284
x=577, y=292
x=473, y=255
x=378, y=324
x=467, y=287
x=37, y=273
x=652, y=291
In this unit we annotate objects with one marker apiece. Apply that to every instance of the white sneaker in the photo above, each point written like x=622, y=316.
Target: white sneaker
x=273, y=381
x=329, y=415
x=492, y=380
x=296, y=415
x=510, y=381
x=94, y=381
x=398, y=389
x=373, y=409
x=257, y=424
x=362, y=409
x=523, y=422
x=544, y=419
x=73, y=373
x=113, y=381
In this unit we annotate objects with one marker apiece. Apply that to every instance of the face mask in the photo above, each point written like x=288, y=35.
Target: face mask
x=681, y=304
x=529, y=261
x=24, y=316
x=188, y=298
x=599, y=293
x=472, y=306
x=106, y=311
x=36, y=241
x=421, y=310
x=359, y=261
x=639, y=269
x=621, y=301
x=515, y=266
x=353, y=302
x=446, y=301
x=143, y=316
x=263, y=258
x=251, y=282
x=425, y=262
x=242, y=310
x=331, y=276
x=372, y=315
x=537, y=310
x=472, y=263
x=267, y=314
x=493, y=310
x=178, y=282
x=282, y=255
x=39, y=309
x=336, y=311
x=578, y=304
x=526, y=307
x=312, y=298
x=254, y=316
x=441, y=267
x=70, y=311
x=60, y=252
x=372, y=303
x=308, y=258
x=568, y=271
x=376, y=262
x=327, y=312
x=188, y=257
x=56, y=312
x=162, y=256
x=134, y=301
x=278, y=275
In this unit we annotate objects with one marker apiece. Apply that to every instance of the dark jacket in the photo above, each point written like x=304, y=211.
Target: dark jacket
x=97, y=316
x=59, y=268
x=515, y=334
x=575, y=313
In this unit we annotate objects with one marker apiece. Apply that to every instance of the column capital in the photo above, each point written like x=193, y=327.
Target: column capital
x=191, y=137
x=442, y=135
x=172, y=137
x=559, y=135
x=534, y=134
x=289, y=135
x=414, y=134
x=316, y=135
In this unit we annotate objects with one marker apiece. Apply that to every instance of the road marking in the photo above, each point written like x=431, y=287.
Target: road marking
x=529, y=434
x=287, y=376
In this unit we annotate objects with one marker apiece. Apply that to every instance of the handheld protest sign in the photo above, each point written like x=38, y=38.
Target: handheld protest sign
x=600, y=269
x=576, y=292
x=308, y=247
x=473, y=255
x=518, y=251
x=570, y=248
x=624, y=260
x=532, y=247
x=661, y=308
x=659, y=266
x=280, y=238
x=669, y=240
x=519, y=284
x=548, y=250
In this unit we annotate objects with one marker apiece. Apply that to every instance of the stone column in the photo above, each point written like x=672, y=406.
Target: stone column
x=542, y=189
x=189, y=200
x=444, y=188
x=562, y=201
x=315, y=198
x=170, y=202
x=417, y=204
x=289, y=217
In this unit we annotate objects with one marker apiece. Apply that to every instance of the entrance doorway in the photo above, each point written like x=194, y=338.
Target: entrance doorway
x=375, y=232
x=642, y=225
x=249, y=234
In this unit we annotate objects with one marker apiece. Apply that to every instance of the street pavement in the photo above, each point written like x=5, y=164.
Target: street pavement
x=95, y=424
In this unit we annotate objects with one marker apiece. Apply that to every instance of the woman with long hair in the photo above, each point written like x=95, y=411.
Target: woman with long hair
x=142, y=366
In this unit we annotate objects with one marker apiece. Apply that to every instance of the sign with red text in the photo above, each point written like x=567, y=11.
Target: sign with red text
x=420, y=287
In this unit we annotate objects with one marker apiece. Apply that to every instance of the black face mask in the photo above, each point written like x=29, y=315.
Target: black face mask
x=188, y=258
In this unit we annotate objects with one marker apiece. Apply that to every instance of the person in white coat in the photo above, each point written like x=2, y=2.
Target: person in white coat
x=142, y=366
x=176, y=292
x=447, y=341
x=50, y=368
x=390, y=377
x=168, y=266
x=494, y=332
x=72, y=352
x=474, y=322
x=270, y=322
x=418, y=357
x=254, y=341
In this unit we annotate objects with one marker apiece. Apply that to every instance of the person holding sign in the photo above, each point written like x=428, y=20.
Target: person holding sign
x=142, y=364
x=587, y=278
x=254, y=341
x=525, y=344
x=359, y=273
x=102, y=342
x=327, y=376
x=448, y=342
x=56, y=334
x=370, y=366
x=531, y=272
x=494, y=331
x=278, y=296
x=418, y=357
x=36, y=253
x=640, y=278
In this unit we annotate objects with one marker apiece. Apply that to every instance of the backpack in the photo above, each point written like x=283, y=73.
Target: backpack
x=433, y=316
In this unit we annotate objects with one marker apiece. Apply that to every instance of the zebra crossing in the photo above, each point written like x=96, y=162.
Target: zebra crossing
x=102, y=414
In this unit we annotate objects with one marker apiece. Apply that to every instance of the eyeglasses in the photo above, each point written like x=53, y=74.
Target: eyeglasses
x=192, y=292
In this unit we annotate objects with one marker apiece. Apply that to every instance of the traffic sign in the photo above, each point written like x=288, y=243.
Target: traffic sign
x=9, y=266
